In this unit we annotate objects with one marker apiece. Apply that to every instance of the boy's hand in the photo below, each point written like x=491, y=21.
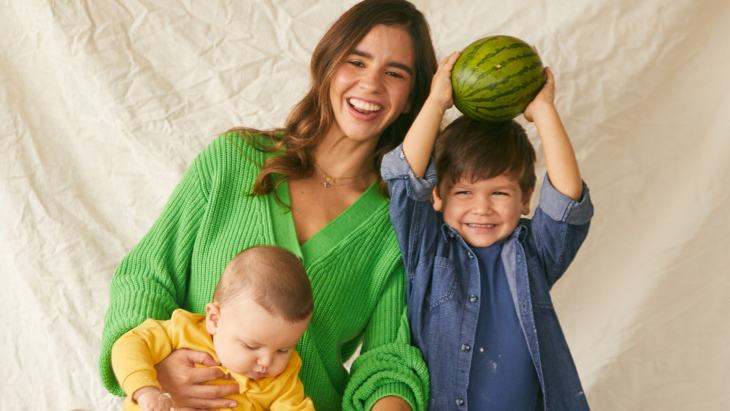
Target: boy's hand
x=152, y=399
x=544, y=99
x=419, y=140
x=562, y=167
x=441, y=91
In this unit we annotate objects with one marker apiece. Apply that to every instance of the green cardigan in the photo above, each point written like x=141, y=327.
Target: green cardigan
x=353, y=263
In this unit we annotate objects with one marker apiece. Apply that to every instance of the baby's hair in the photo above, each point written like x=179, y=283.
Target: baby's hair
x=478, y=150
x=273, y=277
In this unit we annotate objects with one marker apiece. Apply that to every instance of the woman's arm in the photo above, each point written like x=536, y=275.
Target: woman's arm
x=151, y=282
x=391, y=404
x=389, y=371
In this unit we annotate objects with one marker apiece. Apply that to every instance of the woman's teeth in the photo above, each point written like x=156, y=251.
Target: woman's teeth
x=364, y=106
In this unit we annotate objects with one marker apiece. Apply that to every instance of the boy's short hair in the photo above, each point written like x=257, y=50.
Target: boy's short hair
x=273, y=277
x=478, y=150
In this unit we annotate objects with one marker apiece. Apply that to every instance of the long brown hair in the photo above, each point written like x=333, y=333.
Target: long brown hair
x=312, y=117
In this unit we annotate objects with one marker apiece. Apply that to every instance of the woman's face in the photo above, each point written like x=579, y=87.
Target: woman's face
x=371, y=88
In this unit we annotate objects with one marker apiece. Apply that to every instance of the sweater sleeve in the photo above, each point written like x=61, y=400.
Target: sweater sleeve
x=388, y=364
x=151, y=280
x=135, y=354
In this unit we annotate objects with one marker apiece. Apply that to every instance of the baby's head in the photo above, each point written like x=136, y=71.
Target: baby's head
x=261, y=308
x=486, y=174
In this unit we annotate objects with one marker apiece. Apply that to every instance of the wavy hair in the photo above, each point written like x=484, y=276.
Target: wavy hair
x=313, y=116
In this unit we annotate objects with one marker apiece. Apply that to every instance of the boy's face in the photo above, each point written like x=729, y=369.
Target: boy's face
x=484, y=211
x=250, y=341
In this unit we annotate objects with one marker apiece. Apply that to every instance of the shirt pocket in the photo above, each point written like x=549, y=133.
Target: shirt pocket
x=539, y=289
x=443, y=282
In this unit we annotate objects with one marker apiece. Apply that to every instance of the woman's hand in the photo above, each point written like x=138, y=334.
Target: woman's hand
x=391, y=404
x=441, y=91
x=178, y=376
x=545, y=99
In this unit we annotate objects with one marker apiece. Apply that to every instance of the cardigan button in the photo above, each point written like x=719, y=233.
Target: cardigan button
x=470, y=255
x=459, y=401
x=465, y=347
x=473, y=298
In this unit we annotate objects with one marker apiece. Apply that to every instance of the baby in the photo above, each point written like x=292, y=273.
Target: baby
x=261, y=308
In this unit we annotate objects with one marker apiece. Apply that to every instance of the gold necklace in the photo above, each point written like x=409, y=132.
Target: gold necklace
x=329, y=181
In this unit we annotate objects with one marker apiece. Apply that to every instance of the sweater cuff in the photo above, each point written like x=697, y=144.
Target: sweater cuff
x=396, y=389
x=140, y=379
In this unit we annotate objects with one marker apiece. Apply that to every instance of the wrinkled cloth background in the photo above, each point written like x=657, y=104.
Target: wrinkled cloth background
x=104, y=104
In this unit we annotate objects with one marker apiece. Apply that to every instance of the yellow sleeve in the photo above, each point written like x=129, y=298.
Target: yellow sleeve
x=290, y=395
x=135, y=354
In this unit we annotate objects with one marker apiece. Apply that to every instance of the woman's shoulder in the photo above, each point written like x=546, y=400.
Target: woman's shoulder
x=235, y=145
x=235, y=150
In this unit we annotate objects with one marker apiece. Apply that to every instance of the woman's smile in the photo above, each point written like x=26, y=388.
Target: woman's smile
x=372, y=87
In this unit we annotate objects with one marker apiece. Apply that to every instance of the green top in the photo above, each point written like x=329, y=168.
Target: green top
x=353, y=263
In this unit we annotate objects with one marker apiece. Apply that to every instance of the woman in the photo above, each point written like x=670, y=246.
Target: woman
x=315, y=189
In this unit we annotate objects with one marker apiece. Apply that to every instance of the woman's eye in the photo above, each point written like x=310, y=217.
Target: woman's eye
x=394, y=74
x=356, y=63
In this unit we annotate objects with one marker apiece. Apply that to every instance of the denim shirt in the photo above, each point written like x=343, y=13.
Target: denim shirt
x=444, y=285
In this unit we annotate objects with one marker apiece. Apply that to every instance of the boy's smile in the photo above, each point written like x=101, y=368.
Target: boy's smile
x=483, y=211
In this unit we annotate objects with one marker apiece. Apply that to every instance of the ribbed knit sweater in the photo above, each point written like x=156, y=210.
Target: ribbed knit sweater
x=353, y=263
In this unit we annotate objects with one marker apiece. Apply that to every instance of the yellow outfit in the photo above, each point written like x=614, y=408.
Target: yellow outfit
x=136, y=352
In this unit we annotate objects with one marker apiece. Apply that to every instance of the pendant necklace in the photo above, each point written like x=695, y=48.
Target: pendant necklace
x=329, y=181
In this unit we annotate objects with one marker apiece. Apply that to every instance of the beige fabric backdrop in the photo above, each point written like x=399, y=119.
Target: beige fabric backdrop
x=104, y=104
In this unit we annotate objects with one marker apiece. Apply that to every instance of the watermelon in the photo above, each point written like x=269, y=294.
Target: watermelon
x=495, y=78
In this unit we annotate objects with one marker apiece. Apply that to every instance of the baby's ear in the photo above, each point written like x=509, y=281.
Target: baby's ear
x=526, y=200
x=212, y=316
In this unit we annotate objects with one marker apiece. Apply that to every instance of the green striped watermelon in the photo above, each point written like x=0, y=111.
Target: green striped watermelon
x=495, y=78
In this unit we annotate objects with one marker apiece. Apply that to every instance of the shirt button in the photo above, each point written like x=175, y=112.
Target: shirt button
x=465, y=347
x=470, y=255
x=459, y=401
x=473, y=298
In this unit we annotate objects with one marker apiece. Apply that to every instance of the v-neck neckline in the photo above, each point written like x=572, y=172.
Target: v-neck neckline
x=328, y=236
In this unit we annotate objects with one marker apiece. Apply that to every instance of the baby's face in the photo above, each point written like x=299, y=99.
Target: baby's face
x=483, y=211
x=250, y=341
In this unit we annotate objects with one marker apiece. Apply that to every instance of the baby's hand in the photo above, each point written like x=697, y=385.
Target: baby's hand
x=441, y=91
x=545, y=98
x=152, y=399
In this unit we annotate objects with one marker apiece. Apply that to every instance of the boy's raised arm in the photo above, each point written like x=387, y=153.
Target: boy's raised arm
x=562, y=166
x=419, y=140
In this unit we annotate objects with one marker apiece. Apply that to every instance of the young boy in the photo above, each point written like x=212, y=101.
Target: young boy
x=478, y=275
x=261, y=308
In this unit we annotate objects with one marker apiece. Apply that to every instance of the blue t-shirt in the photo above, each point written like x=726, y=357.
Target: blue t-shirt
x=502, y=376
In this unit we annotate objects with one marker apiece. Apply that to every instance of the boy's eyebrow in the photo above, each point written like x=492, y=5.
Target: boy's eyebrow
x=390, y=63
